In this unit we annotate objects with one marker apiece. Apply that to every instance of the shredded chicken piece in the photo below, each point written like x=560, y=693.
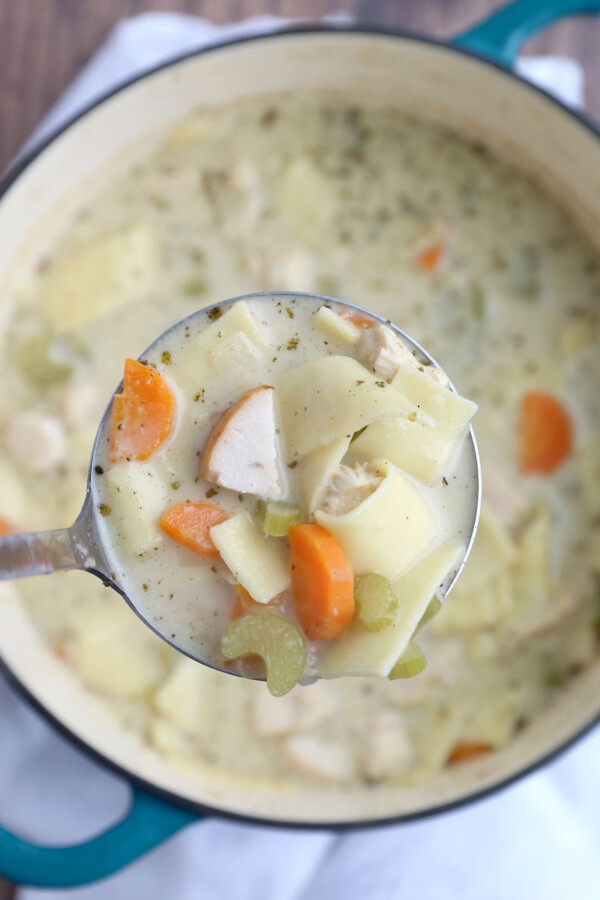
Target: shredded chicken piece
x=286, y=269
x=349, y=486
x=326, y=760
x=35, y=442
x=300, y=710
x=383, y=353
x=506, y=500
x=386, y=748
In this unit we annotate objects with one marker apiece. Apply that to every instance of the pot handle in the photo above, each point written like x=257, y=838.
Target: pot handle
x=148, y=822
x=502, y=35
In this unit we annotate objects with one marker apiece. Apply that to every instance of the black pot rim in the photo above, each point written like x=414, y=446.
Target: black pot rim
x=10, y=177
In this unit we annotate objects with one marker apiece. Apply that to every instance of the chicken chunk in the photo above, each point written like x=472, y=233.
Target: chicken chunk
x=386, y=749
x=349, y=486
x=241, y=452
x=382, y=352
x=286, y=269
x=35, y=442
x=503, y=496
x=79, y=404
x=303, y=708
x=322, y=759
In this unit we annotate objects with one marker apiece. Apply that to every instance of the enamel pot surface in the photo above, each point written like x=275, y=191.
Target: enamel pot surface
x=458, y=85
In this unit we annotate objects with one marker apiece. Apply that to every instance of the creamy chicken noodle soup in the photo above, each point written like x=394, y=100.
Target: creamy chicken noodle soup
x=304, y=192
x=295, y=468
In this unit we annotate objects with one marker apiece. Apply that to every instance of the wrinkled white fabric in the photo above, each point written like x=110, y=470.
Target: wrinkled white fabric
x=539, y=839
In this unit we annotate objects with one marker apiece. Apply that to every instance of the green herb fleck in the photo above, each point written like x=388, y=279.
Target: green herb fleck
x=104, y=509
x=165, y=358
x=211, y=492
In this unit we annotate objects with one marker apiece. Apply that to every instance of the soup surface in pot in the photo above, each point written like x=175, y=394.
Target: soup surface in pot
x=460, y=249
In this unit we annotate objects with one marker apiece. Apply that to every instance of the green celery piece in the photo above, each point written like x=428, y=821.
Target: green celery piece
x=280, y=643
x=435, y=604
x=375, y=601
x=412, y=662
x=276, y=516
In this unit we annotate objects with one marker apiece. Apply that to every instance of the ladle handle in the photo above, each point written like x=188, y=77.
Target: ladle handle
x=36, y=553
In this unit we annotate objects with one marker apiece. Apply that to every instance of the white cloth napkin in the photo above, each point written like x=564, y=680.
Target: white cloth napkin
x=539, y=839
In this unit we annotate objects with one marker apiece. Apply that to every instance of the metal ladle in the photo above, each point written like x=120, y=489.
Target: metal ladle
x=81, y=547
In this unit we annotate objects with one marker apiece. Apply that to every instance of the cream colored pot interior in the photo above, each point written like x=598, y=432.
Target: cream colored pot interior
x=432, y=82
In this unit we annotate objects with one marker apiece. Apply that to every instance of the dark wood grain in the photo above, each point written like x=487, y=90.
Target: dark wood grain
x=43, y=43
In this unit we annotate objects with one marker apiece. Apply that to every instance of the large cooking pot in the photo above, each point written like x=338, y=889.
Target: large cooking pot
x=467, y=85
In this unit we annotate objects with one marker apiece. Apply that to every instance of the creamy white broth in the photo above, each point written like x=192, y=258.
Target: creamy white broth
x=228, y=206
x=189, y=599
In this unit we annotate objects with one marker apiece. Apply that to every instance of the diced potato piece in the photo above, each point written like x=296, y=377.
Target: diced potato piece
x=170, y=740
x=138, y=497
x=425, y=453
x=184, y=698
x=336, y=326
x=316, y=470
x=322, y=759
x=260, y=564
x=306, y=196
x=102, y=275
x=233, y=354
x=12, y=497
x=389, y=531
x=362, y=652
x=450, y=411
x=125, y=662
x=208, y=350
x=332, y=397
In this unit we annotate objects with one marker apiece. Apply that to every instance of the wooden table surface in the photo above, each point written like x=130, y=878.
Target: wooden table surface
x=43, y=43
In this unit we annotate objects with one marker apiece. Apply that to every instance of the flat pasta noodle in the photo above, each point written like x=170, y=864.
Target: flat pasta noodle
x=424, y=452
x=316, y=470
x=138, y=497
x=363, y=652
x=451, y=412
x=328, y=398
x=389, y=531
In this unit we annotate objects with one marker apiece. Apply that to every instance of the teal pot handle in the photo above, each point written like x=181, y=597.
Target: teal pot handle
x=502, y=35
x=148, y=822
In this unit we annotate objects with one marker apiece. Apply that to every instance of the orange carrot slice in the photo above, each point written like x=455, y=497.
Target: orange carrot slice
x=245, y=603
x=5, y=528
x=546, y=433
x=322, y=582
x=190, y=523
x=431, y=257
x=361, y=320
x=142, y=416
x=461, y=752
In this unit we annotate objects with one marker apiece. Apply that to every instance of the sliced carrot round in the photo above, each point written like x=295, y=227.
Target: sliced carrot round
x=432, y=257
x=190, y=523
x=546, y=433
x=5, y=528
x=143, y=415
x=461, y=752
x=322, y=582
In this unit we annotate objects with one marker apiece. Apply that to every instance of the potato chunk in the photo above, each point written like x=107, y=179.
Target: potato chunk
x=260, y=564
